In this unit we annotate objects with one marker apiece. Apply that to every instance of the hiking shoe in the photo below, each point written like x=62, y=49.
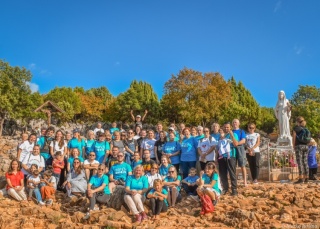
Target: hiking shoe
x=87, y=216
x=138, y=218
x=143, y=216
x=42, y=203
x=49, y=202
x=300, y=181
x=234, y=193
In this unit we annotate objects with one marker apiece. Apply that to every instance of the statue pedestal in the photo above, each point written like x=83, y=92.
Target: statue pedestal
x=285, y=142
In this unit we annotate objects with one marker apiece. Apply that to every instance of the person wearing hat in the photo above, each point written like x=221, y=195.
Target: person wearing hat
x=172, y=130
x=138, y=120
x=76, y=142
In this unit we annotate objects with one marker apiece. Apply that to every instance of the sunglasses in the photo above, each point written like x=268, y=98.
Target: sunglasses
x=100, y=169
x=120, y=156
x=171, y=171
x=154, y=168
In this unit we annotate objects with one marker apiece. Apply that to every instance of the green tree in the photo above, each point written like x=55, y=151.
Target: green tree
x=15, y=94
x=306, y=103
x=267, y=120
x=242, y=105
x=194, y=97
x=139, y=97
x=67, y=100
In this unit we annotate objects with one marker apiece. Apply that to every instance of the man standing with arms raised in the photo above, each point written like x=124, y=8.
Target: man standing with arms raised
x=241, y=153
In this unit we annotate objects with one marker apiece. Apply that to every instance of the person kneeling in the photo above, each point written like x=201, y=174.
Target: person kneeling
x=98, y=190
x=158, y=198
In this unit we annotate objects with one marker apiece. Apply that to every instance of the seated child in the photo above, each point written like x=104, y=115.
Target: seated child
x=189, y=184
x=223, y=145
x=91, y=165
x=57, y=165
x=49, y=187
x=172, y=183
x=158, y=199
x=209, y=183
x=33, y=184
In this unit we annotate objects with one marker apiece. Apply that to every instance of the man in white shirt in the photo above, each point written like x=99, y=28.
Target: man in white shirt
x=26, y=147
x=98, y=128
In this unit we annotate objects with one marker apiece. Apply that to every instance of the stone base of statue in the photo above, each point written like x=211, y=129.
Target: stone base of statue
x=285, y=142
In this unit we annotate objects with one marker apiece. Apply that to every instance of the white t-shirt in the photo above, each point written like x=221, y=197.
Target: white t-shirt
x=151, y=178
x=96, y=130
x=38, y=160
x=56, y=147
x=205, y=144
x=26, y=148
x=34, y=179
x=251, y=140
x=54, y=181
x=87, y=162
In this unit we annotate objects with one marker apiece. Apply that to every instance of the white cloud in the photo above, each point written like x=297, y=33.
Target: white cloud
x=277, y=6
x=298, y=49
x=34, y=87
x=32, y=66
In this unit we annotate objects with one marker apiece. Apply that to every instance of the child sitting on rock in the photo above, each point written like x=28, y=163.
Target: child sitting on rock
x=158, y=199
x=209, y=183
x=33, y=184
x=189, y=184
x=49, y=187
x=223, y=145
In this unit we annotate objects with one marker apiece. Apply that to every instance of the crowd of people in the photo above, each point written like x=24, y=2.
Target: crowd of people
x=149, y=164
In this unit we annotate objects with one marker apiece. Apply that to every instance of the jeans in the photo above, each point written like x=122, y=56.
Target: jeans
x=186, y=166
x=128, y=158
x=190, y=190
x=37, y=194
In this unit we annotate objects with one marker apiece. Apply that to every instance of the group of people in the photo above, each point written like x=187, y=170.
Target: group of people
x=148, y=164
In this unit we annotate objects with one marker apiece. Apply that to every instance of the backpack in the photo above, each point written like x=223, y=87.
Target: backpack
x=46, y=146
x=206, y=204
x=304, y=136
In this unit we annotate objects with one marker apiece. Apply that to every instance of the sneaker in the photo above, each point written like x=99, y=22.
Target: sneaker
x=143, y=216
x=255, y=182
x=42, y=203
x=300, y=181
x=138, y=218
x=96, y=208
x=49, y=202
x=234, y=193
x=87, y=216
x=306, y=181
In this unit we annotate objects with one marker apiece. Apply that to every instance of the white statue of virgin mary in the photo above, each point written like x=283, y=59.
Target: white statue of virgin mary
x=283, y=114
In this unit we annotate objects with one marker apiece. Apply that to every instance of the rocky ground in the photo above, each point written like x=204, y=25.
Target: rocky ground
x=266, y=205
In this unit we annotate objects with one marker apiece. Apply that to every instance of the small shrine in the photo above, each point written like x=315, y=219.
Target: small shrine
x=49, y=108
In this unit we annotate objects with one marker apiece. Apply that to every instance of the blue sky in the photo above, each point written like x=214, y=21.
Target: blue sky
x=269, y=45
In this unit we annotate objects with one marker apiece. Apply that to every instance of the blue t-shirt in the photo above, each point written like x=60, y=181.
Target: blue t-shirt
x=312, y=160
x=74, y=143
x=170, y=148
x=88, y=146
x=240, y=133
x=163, y=170
x=71, y=159
x=100, y=149
x=216, y=136
x=170, y=179
x=113, y=129
x=191, y=179
x=120, y=171
x=98, y=181
x=199, y=137
x=137, y=183
x=135, y=163
x=207, y=180
x=189, y=149
x=233, y=151
x=163, y=191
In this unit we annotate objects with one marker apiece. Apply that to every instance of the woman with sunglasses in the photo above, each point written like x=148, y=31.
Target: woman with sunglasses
x=172, y=183
x=98, y=190
x=136, y=187
x=253, y=151
x=131, y=146
x=90, y=165
x=153, y=174
x=76, y=183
